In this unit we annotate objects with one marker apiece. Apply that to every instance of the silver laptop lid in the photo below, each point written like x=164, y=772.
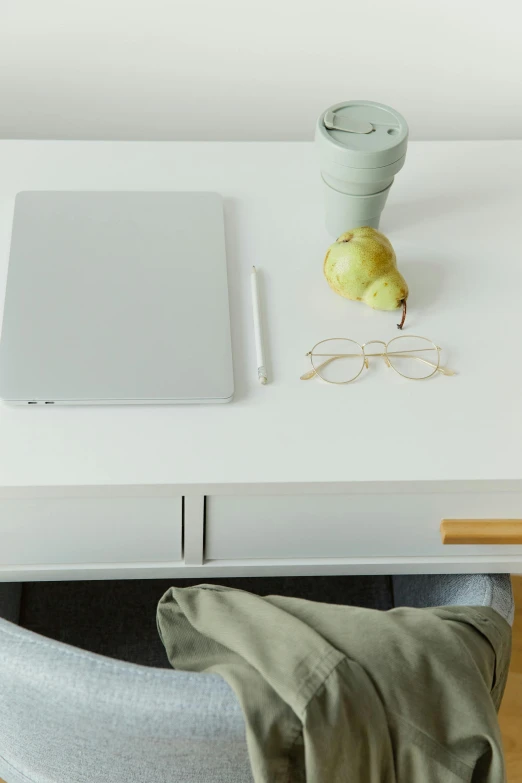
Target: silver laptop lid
x=116, y=297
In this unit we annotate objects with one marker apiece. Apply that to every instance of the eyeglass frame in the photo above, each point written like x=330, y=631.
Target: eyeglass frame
x=365, y=364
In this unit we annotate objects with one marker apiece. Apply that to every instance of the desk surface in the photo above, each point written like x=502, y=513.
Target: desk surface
x=453, y=216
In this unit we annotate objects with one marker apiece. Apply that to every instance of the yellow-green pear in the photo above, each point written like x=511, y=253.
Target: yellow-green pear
x=362, y=265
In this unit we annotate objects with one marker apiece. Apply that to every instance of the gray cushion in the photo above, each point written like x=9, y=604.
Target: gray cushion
x=68, y=716
x=421, y=590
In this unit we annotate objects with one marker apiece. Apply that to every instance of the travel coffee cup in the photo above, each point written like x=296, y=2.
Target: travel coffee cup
x=362, y=145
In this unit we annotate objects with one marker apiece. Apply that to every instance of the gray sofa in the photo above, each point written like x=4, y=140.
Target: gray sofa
x=70, y=715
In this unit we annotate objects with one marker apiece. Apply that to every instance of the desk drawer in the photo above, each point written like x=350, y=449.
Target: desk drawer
x=345, y=526
x=41, y=531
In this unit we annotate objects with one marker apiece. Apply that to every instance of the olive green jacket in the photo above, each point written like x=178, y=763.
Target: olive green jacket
x=337, y=694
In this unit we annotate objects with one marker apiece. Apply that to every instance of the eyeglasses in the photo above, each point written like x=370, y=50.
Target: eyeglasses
x=340, y=360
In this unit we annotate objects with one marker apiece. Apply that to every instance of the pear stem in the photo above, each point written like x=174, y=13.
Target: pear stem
x=399, y=326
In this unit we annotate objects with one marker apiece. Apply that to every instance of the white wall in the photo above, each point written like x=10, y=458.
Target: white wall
x=256, y=69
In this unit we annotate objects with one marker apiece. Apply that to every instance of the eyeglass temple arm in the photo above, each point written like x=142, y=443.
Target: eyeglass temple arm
x=313, y=372
x=308, y=375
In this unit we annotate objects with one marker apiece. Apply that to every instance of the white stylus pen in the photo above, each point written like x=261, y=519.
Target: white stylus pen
x=261, y=369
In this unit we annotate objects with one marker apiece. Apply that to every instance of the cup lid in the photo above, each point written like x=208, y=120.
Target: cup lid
x=362, y=134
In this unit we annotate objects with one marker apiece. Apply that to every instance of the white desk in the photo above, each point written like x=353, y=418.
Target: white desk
x=299, y=478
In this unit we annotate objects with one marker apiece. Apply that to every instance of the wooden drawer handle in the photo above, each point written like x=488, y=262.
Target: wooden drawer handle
x=481, y=531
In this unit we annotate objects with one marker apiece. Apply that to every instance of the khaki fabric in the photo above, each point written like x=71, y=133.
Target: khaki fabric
x=338, y=694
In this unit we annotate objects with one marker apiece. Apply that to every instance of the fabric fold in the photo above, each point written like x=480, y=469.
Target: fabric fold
x=336, y=693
